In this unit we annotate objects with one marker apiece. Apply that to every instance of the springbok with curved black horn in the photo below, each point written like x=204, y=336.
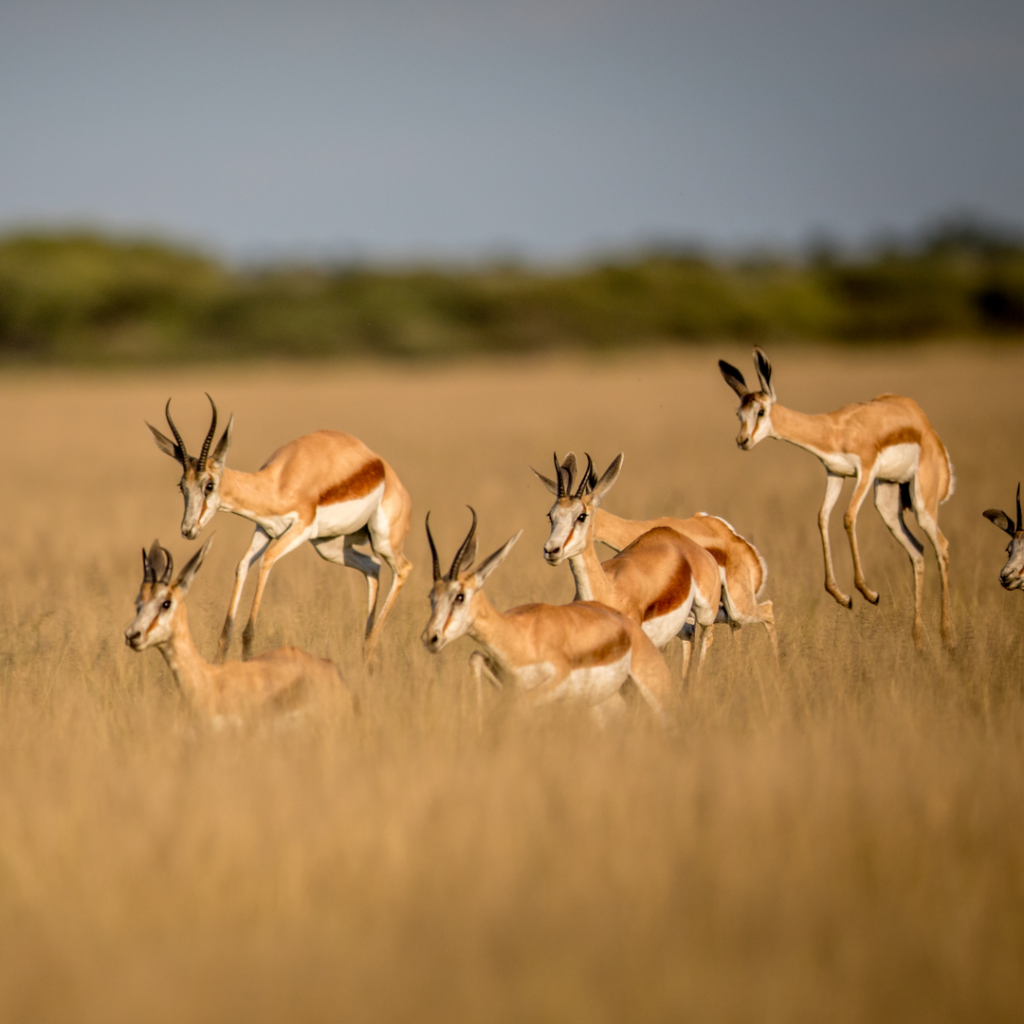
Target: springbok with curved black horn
x=275, y=683
x=1011, y=576
x=888, y=443
x=327, y=488
x=584, y=652
x=741, y=569
x=657, y=580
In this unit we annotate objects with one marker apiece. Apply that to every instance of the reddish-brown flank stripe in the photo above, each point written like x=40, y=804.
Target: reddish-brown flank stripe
x=358, y=485
x=610, y=651
x=905, y=435
x=718, y=555
x=674, y=594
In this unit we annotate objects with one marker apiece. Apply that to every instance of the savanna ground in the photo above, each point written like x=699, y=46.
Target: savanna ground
x=841, y=839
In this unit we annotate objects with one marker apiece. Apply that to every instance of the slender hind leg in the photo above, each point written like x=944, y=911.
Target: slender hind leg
x=387, y=540
x=927, y=512
x=890, y=508
x=340, y=551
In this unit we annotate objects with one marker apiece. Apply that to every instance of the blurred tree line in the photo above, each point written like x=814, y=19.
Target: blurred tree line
x=80, y=297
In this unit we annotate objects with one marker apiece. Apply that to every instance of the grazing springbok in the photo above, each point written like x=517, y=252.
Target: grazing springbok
x=327, y=488
x=887, y=442
x=741, y=568
x=1012, y=574
x=582, y=652
x=657, y=580
x=275, y=683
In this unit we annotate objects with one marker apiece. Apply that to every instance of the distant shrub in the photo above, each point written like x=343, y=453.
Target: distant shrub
x=84, y=297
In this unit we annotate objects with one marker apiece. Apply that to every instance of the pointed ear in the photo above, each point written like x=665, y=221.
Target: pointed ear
x=764, y=371
x=184, y=580
x=221, y=451
x=157, y=561
x=492, y=562
x=607, y=482
x=165, y=444
x=549, y=484
x=733, y=378
x=1001, y=519
x=569, y=463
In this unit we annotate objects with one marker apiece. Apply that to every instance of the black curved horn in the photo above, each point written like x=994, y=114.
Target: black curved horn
x=433, y=551
x=585, y=479
x=560, y=474
x=201, y=464
x=183, y=455
x=148, y=574
x=1019, y=525
x=169, y=568
x=461, y=553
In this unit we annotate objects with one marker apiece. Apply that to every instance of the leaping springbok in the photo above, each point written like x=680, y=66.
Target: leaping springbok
x=327, y=488
x=1012, y=574
x=582, y=652
x=887, y=442
x=656, y=580
x=741, y=568
x=278, y=682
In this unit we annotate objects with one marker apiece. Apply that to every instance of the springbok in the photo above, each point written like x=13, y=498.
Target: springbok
x=741, y=568
x=1012, y=574
x=657, y=580
x=277, y=683
x=327, y=488
x=582, y=652
x=887, y=442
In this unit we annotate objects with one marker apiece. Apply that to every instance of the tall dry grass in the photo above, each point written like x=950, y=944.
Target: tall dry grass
x=841, y=840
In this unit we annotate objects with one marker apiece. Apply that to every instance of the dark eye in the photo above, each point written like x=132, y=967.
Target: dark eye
x=760, y=413
x=166, y=604
x=459, y=598
x=209, y=487
x=581, y=517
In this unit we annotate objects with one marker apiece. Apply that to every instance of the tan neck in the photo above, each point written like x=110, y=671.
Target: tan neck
x=814, y=433
x=247, y=492
x=190, y=670
x=592, y=584
x=492, y=629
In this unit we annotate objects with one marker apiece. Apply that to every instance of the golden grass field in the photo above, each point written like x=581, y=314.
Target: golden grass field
x=838, y=840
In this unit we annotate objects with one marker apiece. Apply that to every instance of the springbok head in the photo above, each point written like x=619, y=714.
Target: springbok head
x=755, y=411
x=159, y=599
x=200, y=479
x=1012, y=574
x=451, y=597
x=571, y=516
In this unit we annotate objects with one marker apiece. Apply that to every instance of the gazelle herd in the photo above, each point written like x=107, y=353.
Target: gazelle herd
x=669, y=578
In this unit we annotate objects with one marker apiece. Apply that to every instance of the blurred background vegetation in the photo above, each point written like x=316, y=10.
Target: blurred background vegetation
x=83, y=297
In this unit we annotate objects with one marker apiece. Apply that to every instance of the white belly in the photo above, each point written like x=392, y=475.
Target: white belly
x=345, y=517
x=663, y=628
x=898, y=462
x=840, y=463
x=595, y=683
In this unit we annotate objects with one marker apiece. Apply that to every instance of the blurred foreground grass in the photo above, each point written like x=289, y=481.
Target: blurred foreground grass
x=841, y=839
x=81, y=298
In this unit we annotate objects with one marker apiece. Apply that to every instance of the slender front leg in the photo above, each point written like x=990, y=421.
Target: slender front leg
x=833, y=485
x=277, y=548
x=483, y=668
x=258, y=544
x=860, y=491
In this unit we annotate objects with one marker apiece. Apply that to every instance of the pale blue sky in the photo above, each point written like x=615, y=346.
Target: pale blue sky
x=548, y=128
